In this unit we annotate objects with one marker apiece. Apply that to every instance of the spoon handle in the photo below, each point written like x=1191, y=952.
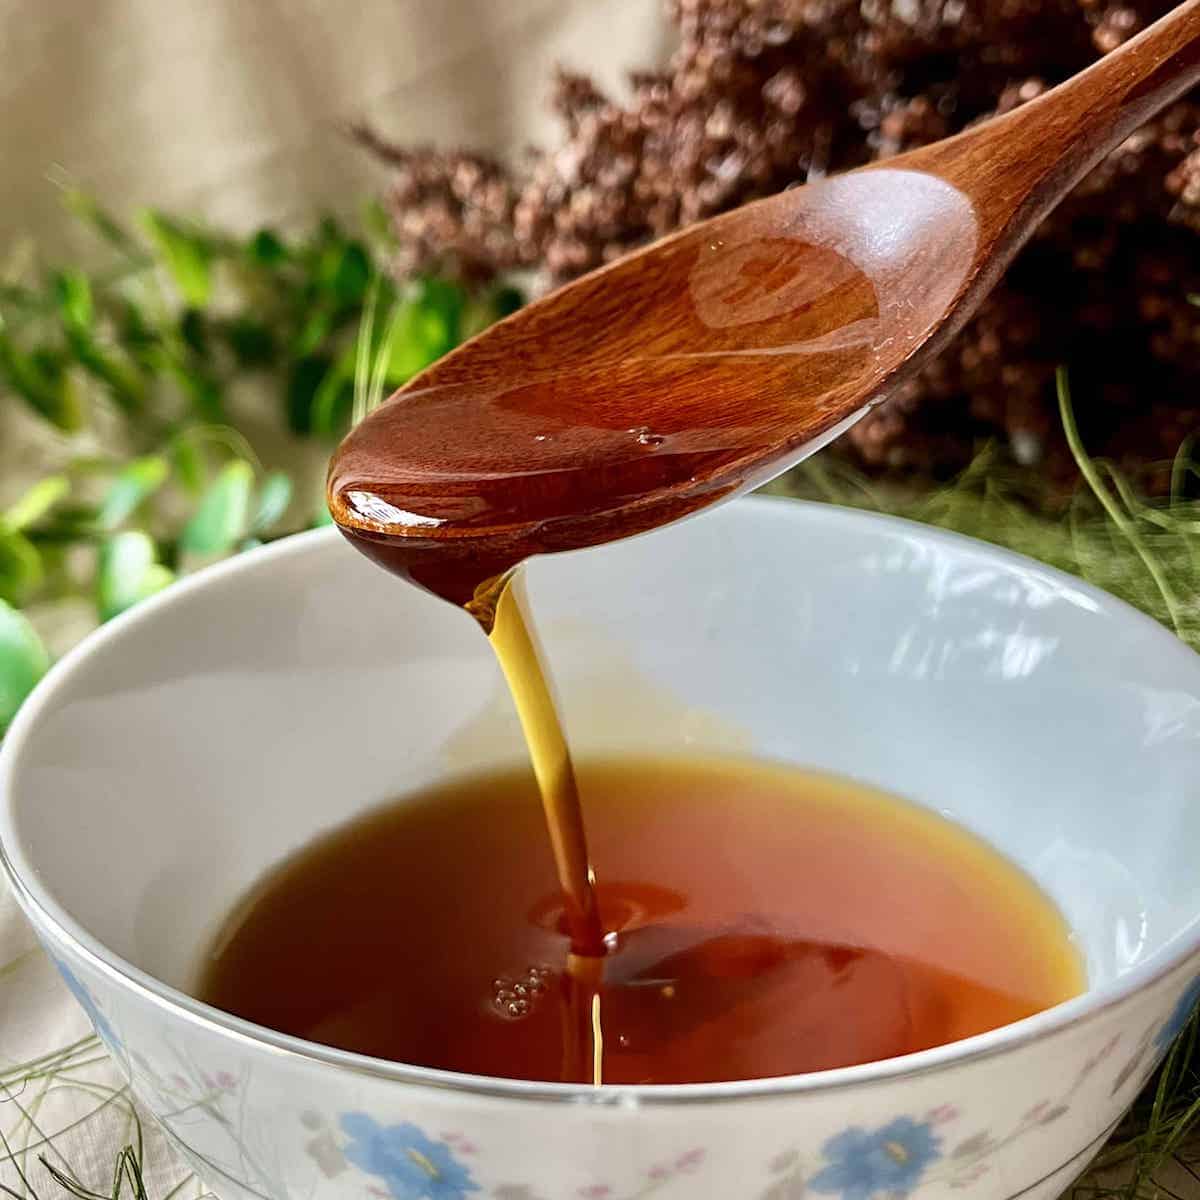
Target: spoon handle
x=1017, y=167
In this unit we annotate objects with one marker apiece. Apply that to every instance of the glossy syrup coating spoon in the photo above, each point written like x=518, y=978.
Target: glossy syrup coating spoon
x=712, y=360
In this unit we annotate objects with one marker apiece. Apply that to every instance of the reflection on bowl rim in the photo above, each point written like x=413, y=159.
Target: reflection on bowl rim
x=1095, y=1000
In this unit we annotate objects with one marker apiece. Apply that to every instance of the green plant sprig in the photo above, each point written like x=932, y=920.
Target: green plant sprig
x=154, y=344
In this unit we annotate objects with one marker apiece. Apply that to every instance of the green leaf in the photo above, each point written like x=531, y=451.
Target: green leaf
x=205, y=394
x=36, y=502
x=135, y=483
x=323, y=517
x=267, y=249
x=186, y=253
x=377, y=222
x=40, y=378
x=23, y=661
x=333, y=399
x=193, y=330
x=317, y=326
x=88, y=211
x=329, y=229
x=351, y=275
x=303, y=381
x=201, y=389
x=441, y=305
x=188, y=463
x=24, y=300
x=69, y=524
x=138, y=336
x=273, y=499
x=221, y=517
x=20, y=566
x=73, y=293
x=505, y=301
x=128, y=571
x=157, y=577
x=251, y=340
x=122, y=380
x=479, y=313
x=430, y=325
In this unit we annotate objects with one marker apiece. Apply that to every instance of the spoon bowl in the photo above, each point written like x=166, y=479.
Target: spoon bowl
x=782, y=317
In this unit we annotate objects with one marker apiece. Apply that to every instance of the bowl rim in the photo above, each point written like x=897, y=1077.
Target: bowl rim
x=46, y=914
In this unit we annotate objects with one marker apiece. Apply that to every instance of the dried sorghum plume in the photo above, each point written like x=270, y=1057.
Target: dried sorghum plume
x=762, y=94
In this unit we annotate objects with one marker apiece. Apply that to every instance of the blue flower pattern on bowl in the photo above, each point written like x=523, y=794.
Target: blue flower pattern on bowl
x=413, y=1166
x=99, y=1021
x=902, y=1158
x=1184, y=1007
x=857, y=1164
x=890, y=1160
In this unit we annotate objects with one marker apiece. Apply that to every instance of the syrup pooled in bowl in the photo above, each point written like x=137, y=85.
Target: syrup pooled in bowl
x=762, y=921
x=750, y=919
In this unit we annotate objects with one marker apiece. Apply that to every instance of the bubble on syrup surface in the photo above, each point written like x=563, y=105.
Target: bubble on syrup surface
x=514, y=996
x=646, y=437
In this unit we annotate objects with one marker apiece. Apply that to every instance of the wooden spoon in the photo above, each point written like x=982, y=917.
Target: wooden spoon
x=712, y=360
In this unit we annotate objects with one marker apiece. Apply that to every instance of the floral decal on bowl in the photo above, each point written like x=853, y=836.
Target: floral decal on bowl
x=202, y=1107
x=656, y=1178
x=100, y=1022
x=1157, y=1039
x=412, y=1165
x=1173, y=1026
x=891, y=1159
x=894, y=1159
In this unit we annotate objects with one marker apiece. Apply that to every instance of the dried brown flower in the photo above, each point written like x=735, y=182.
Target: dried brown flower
x=761, y=94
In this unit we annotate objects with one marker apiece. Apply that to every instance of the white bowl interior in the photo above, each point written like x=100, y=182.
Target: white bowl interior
x=201, y=739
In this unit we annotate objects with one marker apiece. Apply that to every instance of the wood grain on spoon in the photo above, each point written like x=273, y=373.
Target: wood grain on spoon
x=714, y=359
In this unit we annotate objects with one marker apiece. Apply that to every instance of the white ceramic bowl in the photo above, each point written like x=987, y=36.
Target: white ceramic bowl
x=163, y=765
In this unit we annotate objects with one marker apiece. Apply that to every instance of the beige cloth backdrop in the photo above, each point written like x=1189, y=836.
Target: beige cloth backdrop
x=233, y=109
